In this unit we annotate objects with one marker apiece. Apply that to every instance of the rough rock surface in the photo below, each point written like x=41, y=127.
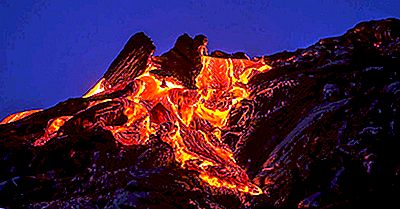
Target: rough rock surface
x=182, y=62
x=321, y=129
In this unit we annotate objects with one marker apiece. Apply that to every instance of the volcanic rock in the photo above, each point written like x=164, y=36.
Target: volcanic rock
x=319, y=129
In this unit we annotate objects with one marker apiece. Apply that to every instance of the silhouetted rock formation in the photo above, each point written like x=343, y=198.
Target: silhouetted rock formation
x=131, y=61
x=183, y=61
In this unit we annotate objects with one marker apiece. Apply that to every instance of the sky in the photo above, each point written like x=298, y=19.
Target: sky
x=54, y=50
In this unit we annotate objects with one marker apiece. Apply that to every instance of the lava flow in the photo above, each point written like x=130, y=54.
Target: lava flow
x=185, y=129
x=189, y=120
x=18, y=116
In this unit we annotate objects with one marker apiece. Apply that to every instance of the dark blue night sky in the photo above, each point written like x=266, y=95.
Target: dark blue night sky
x=54, y=50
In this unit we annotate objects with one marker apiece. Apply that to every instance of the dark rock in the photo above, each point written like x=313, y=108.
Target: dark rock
x=331, y=92
x=131, y=61
x=236, y=55
x=183, y=61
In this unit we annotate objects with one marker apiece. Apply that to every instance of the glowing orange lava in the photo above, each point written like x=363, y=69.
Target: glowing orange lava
x=189, y=120
x=52, y=130
x=98, y=88
x=18, y=116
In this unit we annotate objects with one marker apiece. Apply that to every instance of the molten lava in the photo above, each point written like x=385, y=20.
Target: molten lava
x=189, y=120
x=98, y=88
x=18, y=116
x=52, y=130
